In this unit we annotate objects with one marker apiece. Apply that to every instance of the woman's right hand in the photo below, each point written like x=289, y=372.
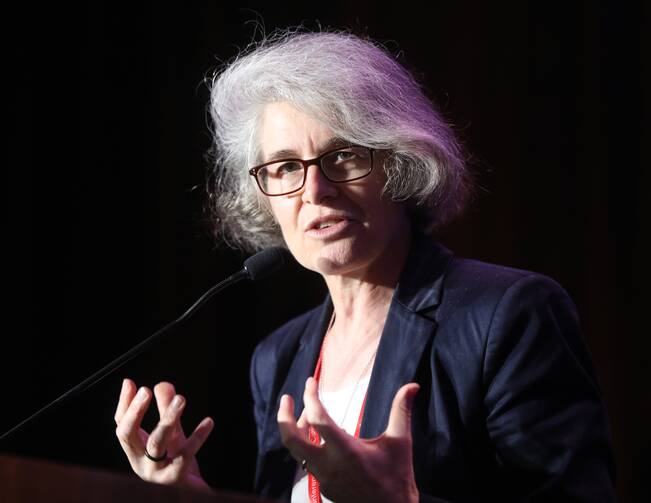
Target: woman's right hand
x=179, y=465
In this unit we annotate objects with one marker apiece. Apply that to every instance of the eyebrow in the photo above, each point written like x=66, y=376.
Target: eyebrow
x=332, y=143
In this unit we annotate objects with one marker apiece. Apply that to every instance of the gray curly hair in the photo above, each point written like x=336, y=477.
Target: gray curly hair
x=363, y=95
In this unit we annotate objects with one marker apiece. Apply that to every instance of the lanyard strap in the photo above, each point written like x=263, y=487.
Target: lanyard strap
x=313, y=487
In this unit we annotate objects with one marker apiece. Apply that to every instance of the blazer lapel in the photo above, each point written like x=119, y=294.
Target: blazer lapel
x=405, y=337
x=301, y=362
x=408, y=330
x=306, y=357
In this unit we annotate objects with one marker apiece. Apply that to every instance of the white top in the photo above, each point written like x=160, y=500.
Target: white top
x=335, y=402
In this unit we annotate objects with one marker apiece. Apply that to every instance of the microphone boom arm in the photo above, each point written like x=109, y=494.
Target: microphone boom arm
x=133, y=352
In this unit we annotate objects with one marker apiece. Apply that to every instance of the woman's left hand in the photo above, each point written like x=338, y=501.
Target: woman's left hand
x=352, y=469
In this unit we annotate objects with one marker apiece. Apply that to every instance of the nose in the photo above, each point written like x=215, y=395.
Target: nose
x=317, y=187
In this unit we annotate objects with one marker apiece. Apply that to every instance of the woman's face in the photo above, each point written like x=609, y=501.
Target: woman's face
x=363, y=227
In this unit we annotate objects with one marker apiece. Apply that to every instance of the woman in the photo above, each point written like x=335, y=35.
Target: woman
x=421, y=376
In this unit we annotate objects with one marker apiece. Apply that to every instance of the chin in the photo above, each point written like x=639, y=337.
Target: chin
x=339, y=259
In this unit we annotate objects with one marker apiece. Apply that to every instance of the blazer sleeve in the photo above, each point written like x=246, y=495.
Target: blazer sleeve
x=545, y=416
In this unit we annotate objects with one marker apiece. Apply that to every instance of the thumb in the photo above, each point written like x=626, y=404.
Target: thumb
x=400, y=417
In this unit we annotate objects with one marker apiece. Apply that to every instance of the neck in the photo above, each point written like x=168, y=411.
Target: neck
x=361, y=302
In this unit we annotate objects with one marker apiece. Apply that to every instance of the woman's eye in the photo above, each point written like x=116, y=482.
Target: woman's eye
x=288, y=168
x=344, y=155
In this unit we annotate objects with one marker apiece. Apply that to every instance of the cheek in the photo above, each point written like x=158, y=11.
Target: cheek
x=284, y=214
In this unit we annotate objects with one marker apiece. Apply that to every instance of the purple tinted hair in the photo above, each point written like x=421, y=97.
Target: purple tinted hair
x=363, y=95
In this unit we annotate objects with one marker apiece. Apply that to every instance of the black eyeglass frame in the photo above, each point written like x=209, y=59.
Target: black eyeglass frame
x=309, y=162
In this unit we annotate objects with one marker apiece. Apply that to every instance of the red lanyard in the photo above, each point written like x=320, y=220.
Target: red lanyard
x=313, y=488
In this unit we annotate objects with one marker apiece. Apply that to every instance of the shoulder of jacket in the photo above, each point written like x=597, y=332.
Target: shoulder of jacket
x=472, y=286
x=470, y=276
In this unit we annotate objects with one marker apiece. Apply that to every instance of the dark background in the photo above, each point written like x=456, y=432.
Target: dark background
x=105, y=240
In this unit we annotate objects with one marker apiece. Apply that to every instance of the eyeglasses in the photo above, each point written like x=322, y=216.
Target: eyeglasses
x=284, y=176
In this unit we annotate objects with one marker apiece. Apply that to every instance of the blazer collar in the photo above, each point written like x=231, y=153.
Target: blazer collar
x=421, y=281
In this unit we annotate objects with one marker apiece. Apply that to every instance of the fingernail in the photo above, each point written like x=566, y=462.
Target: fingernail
x=177, y=402
x=142, y=395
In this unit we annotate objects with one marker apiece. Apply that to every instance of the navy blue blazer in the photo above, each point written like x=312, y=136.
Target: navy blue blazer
x=509, y=407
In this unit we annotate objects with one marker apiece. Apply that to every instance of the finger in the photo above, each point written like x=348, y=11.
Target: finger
x=127, y=393
x=129, y=426
x=198, y=437
x=297, y=442
x=164, y=393
x=302, y=424
x=318, y=417
x=400, y=417
x=160, y=438
x=285, y=417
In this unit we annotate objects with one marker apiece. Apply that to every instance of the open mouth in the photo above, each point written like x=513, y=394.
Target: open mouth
x=328, y=223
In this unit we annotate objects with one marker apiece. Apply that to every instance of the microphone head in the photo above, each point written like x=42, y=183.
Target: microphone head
x=265, y=262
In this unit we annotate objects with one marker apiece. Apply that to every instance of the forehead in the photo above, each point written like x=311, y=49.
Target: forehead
x=285, y=128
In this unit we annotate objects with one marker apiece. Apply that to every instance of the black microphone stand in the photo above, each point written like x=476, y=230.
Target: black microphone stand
x=133, y=352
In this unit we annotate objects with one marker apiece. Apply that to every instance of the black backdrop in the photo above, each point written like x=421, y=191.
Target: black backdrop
x=105, y=239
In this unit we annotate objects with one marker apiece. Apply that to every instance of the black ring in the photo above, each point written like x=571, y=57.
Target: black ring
x=162, y=457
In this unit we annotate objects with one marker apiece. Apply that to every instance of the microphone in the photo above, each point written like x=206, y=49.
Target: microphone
x=266, y=262
x=256, y=267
